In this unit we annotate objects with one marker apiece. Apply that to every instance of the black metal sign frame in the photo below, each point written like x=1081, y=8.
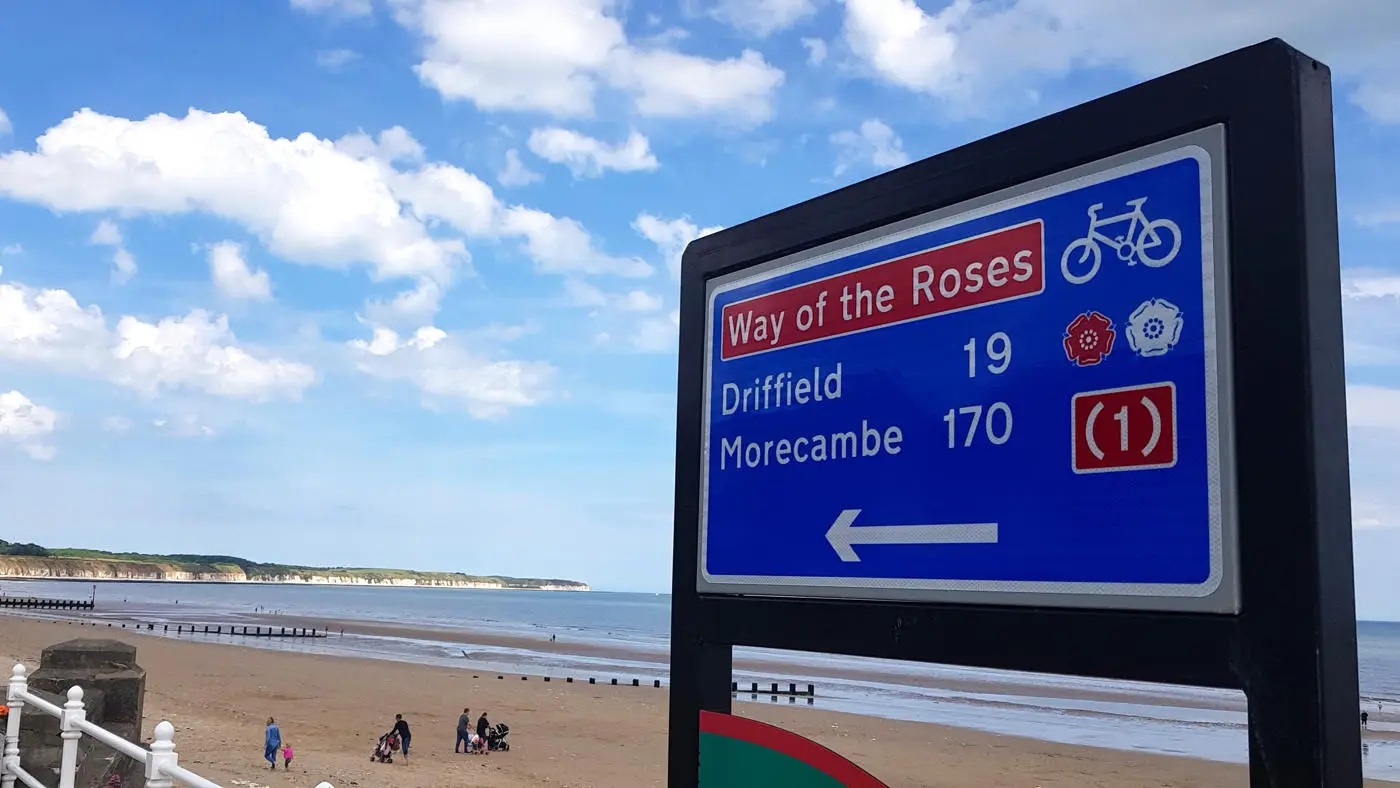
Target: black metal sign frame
x=1292, y=646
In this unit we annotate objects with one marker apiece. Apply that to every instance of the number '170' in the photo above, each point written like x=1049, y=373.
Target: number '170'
x=996, y=426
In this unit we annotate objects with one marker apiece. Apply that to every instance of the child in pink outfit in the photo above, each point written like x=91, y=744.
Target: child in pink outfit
x=286, y=755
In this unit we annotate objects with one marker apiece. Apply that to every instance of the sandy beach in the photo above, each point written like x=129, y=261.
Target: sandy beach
x=333, y=708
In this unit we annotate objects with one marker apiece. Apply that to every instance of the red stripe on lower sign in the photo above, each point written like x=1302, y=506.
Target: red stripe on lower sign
x=790, y=744
x=987, y=269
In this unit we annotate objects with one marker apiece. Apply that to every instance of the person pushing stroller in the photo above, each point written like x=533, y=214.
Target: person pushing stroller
x=396, y=739
x=401, y=730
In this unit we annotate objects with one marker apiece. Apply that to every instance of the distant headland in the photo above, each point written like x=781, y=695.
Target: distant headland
x=31, y=561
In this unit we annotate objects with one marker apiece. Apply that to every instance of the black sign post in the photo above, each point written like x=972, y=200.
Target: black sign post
x=1274, y=616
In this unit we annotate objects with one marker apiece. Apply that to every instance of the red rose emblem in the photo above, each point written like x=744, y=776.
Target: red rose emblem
x=1089, y=338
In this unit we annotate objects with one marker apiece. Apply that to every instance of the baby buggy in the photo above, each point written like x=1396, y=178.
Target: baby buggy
x=496, y=737
x=385, y=749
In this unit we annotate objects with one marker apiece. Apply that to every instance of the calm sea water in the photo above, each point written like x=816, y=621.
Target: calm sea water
x=1196, y=722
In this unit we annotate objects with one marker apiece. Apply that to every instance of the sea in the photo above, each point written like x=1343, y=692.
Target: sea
x=1133, y=716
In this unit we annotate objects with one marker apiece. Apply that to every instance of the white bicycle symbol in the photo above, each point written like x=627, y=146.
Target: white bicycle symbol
x=1156, y=244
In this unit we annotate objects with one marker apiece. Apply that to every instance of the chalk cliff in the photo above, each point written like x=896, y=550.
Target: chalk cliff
x=102, y=569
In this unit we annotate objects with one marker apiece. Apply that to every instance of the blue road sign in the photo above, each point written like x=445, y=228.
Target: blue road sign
x=1020, y=400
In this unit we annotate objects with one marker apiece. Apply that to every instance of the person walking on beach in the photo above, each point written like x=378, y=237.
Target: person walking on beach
x=401, y=728
x=272, y=740
x=286, y=755
x=1364, y=718
x=482, y=726
x=464, y=729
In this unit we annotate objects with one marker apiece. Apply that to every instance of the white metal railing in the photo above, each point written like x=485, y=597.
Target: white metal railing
x=163, y=769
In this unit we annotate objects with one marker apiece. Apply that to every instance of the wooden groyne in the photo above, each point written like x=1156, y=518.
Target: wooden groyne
x=774, y=691
x=217, y=629
x=246, y=632
x=42, y=603
x=792, y=689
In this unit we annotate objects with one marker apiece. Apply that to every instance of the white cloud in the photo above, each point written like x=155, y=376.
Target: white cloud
x=48, y=329
x=184, y=426
x=1373, y=417
x=118, y=424
x=336, y=59
x=587, y=157
x=502, y=332
x=654, y=335
x=233, y=277
x=1373, y=406
x=582, y=293
x=527, y=54
x=394, y=144
x=416, y=306
x=763, y=17
x=5, y=127
x=669, y=84
x=1378, y=217
x=1371, y=285
x=515, y=172
x=664, y=38
x=639, y=301
x=627, y=320
x=966, y=51
x=107, y=234
x=1371, y=316
x=816, y=51
x=443, y=193
x=562, y=245
x=11, y=249
x=359, y=199
x=342, y=7
x=123, y=264
x=27, y=424
x=671, y=236
x=306, y=199
x=647, y=335
x=443, y=368
x=554, y=55
x=874, y=143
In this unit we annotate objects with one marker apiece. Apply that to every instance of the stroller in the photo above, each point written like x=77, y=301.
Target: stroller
x=385, y=749
x=496, y=737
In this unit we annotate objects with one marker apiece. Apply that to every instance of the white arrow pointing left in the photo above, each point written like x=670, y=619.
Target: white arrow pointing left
x=843, y=535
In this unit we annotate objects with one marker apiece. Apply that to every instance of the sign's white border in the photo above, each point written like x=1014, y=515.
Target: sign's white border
x=1220, y=591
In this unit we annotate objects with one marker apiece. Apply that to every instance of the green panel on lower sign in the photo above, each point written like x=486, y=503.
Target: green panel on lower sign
x=732, y=763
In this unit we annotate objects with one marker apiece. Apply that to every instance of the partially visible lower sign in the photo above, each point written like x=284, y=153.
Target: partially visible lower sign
x=736, y=752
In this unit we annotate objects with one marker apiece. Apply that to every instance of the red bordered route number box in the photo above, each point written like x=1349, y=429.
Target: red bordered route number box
x=1124, y=429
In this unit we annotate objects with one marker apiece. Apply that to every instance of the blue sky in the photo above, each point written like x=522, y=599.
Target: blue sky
x=392, y=282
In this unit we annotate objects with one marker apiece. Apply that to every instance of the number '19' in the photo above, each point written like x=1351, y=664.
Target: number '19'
x=998, y=350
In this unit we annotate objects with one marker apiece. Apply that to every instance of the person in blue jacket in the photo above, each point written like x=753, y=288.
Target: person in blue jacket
x=401, y=728
x=272, y=740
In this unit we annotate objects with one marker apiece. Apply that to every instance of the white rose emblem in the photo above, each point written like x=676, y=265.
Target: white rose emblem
x=1154, y=327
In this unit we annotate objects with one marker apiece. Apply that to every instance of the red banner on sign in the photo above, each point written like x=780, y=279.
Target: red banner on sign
x=988, y=269
x=1125, y=429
